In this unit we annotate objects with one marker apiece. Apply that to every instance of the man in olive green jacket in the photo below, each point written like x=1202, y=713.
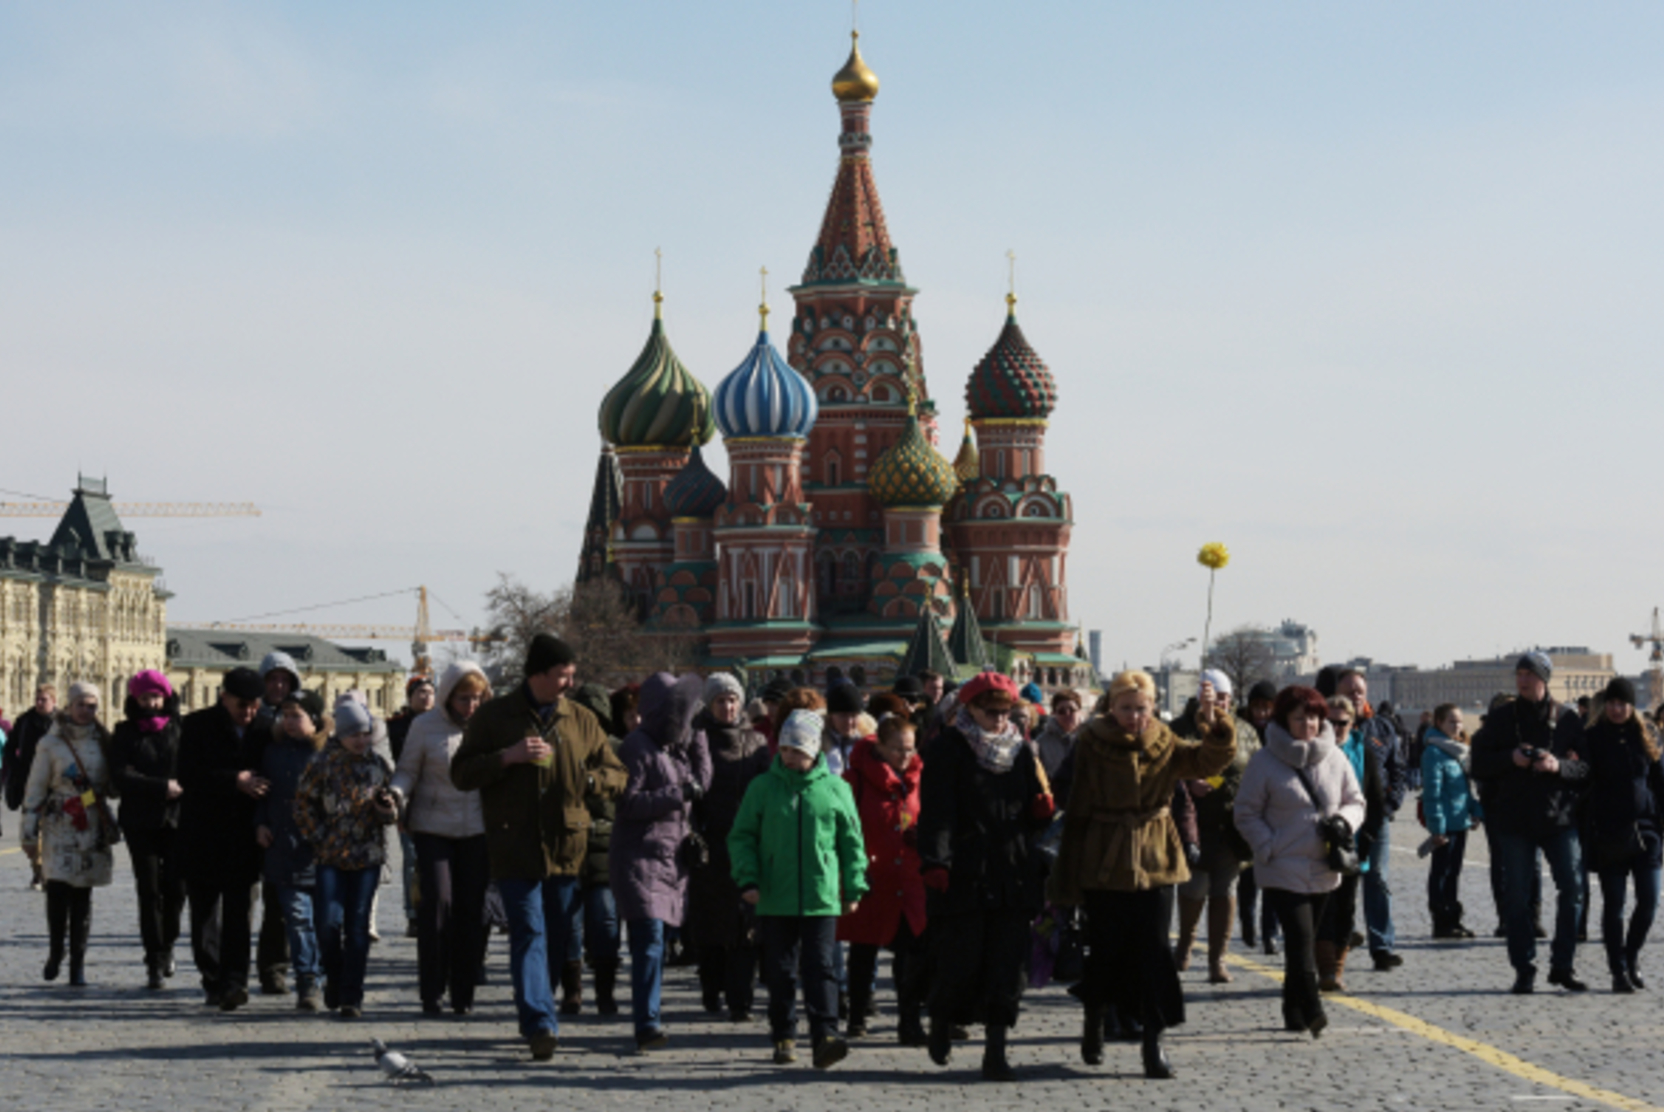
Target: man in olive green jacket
x=534, y=756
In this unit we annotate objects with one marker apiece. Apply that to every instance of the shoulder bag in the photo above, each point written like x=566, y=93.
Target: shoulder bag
x=1338, y=839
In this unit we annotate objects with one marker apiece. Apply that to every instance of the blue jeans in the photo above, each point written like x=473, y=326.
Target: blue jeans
x=646, y=974
x=538, y=911
x=1378, y=896
x=342, y=918
x=1622, y=952
x=299, y=923
x=601, y=935
x=1519, y=863
x=407, y=869
x=573, y=929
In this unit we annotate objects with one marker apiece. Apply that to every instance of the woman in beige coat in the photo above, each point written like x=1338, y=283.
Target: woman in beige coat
x=67, y=816
x=1120, y=856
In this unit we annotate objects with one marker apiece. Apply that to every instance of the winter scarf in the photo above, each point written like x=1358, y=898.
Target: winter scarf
x=1450, y=747
x=994, y=752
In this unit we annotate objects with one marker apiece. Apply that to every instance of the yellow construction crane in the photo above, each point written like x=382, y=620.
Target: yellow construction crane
x=138, y=509
x=1655, y=674
x=421, y=635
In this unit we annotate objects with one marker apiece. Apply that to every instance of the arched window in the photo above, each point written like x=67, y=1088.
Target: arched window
x=833, y=471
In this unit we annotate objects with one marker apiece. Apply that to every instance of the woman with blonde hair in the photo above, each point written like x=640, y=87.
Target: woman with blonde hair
x=1626, y=825
x=68, y=821
x=1120, y=857
x=453, y=863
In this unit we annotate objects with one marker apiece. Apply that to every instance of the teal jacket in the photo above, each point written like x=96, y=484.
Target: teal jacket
x=797, y=840
x=1447, y=803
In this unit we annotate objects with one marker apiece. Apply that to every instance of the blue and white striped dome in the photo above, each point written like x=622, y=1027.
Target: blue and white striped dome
x=764, y=397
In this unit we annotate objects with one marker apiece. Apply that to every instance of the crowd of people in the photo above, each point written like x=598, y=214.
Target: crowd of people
x=990, y=838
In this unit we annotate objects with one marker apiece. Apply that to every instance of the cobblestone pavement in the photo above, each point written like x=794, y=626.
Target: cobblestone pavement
x=1441, y=1032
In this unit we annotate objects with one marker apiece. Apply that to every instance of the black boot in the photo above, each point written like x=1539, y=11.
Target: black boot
x=153, y=974
x=606, y=978
x=994, y=1065
x=1092, y=1035
x=1156, y=1065
x=860, y=1007
x=57, y=927
x=572, y=988
x=941, y=1040
x=80, y=927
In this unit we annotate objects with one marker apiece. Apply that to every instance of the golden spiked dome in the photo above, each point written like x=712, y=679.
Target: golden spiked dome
x=911, y=472
x=855, y=82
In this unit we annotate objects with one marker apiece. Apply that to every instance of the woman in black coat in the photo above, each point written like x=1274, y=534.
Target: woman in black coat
x=983, y=799
x=146, y=777
x=1625, y=835
x=721, y=924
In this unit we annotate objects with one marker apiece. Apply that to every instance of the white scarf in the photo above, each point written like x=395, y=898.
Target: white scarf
x=994, y=752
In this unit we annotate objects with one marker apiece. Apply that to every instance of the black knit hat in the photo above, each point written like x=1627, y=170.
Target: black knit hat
x=1265, y=691
x=548, y=651
x=1328, y=678
x=243, y=683
x=1537, y=663
x=1620, y=690
x=909, y=688
x=844, y=699
x=776, y=689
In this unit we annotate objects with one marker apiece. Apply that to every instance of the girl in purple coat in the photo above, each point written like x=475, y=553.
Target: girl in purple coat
x=669, y=767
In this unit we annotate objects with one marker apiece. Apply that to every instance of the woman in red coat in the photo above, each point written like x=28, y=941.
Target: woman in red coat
x=884, y=776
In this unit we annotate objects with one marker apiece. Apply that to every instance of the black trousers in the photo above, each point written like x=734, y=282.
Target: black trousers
x=1299, y=913
x=160, y=889
x=1130, y=956
x=731, y=973
x=68, y=917
x=450, y=915
x=794, y=946
x=1340, y=913
x=1248, y=906
x=980, y=964
x=272, y=957
x=906, y=969
x=220, y=928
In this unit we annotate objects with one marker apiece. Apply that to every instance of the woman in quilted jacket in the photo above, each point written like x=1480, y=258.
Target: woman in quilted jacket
x=343, y=806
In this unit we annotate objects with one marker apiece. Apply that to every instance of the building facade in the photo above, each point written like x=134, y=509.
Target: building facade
x=198, y=659
x=840, y=521
x=82, y=607
x=1471, y=684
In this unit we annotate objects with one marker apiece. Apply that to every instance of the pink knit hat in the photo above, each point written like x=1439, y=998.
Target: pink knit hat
x=147, y=681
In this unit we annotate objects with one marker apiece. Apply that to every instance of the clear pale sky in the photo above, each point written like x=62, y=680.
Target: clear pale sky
x=1370, y=293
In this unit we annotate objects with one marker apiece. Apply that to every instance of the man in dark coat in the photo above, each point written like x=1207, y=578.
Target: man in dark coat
x=536, y=757
x=1387, y=744
x=219, y=752
x=1527, y=755
x=21, y=742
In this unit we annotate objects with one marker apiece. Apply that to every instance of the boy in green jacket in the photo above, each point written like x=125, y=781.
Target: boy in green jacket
x=799, y=861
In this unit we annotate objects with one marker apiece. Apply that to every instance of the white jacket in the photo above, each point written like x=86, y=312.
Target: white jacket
x=432, y=804
x=1278, y=818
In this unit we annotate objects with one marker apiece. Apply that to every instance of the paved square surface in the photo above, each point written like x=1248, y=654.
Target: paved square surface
x=1439, y=1033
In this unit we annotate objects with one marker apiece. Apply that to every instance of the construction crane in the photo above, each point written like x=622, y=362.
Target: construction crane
x=421, y=635
x=138, y=509
x=1655, y=674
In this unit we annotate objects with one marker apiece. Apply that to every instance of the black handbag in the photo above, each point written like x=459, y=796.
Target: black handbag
x=1620, y=851
x=1338, y=840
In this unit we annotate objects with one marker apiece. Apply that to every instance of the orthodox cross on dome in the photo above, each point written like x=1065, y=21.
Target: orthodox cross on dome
x=658, y=282
x=762, y=307
x=1011, y=279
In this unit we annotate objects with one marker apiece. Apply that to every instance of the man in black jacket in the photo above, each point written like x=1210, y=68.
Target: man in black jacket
x=219, y=756
x=26, y=733
x=1388, y=746
x=1527, y=753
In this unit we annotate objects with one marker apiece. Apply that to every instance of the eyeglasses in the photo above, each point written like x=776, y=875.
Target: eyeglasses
x=1340, y=722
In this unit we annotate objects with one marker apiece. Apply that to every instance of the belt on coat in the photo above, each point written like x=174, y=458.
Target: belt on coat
x=1126, y=826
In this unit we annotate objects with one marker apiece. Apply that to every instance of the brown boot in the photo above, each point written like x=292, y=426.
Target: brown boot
x=1326, y=966
x=1190, y=913
x=572, y=988
x=1221, y=915
x=1340, y=967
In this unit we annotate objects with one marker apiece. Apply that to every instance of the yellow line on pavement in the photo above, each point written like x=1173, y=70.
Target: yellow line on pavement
x=1490, y=1055
x=14, y=849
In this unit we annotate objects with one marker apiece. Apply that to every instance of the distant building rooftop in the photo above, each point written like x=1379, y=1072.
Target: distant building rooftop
x=225, y=649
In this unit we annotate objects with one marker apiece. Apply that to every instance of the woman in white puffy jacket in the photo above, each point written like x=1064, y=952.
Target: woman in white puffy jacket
x=1278, y=816
x=448, y=828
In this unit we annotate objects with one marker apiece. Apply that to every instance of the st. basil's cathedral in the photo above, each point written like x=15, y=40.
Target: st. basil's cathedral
x=844, y=543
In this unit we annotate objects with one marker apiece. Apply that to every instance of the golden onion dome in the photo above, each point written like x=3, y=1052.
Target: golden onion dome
x=912, y=473
x=855, y=82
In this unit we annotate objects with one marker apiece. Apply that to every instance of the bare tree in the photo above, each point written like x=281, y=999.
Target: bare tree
x=598, y=619
x=1245, y=656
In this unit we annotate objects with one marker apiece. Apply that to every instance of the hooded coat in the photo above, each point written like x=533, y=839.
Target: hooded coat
x=431, y=803
x=1118, y=829
x=74, y=847
x=1626, y=792
x=275, y=661
x=143, y=765
x=1278, y=818
x=648, y=870
x=739, y=754
x=288, y=861
x=887, y=802
x=797, y=840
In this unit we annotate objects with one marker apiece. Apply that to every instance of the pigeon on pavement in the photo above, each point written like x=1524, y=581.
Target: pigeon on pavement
x=399, y=1069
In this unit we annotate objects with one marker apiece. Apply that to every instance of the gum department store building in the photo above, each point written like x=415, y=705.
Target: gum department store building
x=843, y=543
